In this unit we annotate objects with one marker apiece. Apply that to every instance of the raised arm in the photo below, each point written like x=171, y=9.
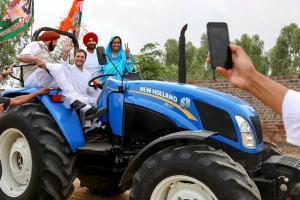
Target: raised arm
x=66, y=49
x=129, y=59
x=244, y=76
x=6, y=72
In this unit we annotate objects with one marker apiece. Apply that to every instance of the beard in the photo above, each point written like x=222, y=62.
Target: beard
x=91, y=47
x=51, y=46
x=79, y=64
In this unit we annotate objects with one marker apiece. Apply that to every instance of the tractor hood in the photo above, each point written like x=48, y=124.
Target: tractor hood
x=181, y=94
x=196, y=108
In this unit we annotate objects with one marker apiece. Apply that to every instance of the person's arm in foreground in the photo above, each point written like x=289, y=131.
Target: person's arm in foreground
x=6, y=72
x=244, y=76
x=28, y=97
x=282, y=100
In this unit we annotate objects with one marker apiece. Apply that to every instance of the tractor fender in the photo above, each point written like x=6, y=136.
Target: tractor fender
x=174, y=139
x=67, y=120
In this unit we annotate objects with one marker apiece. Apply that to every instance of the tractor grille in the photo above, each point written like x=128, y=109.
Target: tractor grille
x=215, y=119
x=290, y=161
x=258, y=129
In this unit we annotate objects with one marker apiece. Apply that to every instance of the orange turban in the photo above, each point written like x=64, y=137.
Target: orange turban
x=48, y=36
x=88, y=36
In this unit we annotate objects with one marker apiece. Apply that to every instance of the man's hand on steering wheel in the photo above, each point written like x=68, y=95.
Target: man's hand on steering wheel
x=95, y=82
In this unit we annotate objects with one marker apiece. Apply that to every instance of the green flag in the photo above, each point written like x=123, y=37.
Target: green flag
x=17, y=18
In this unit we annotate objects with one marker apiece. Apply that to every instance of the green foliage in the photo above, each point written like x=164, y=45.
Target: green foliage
x=171, y=52
x=254, y=47
x=202, y=71
x=149, y=62
x=282, y=59
x=195, y=60
x=9, y=49
x=284, y=56
x=7, y=53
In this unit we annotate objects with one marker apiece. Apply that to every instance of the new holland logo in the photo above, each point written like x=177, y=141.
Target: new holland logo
x=185, y=103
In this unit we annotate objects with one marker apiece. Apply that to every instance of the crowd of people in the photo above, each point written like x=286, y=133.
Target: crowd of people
x=73, y=79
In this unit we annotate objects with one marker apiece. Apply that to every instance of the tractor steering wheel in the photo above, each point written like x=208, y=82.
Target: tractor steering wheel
x=91, y=82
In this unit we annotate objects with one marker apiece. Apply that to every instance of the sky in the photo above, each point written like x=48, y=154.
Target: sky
x=141, y=21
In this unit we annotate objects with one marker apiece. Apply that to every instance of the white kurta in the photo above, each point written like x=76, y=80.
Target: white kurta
x=38, y=49
x=79, y=80
x=291, y=116
x=41, y=78
x=92, y=65
x=60, y=76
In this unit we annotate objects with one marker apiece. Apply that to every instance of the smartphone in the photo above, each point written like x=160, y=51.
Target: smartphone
x=218, y=42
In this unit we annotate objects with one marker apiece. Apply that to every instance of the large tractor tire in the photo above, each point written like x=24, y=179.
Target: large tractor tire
x=192, y=172
x=36, y=161
x=105, y=186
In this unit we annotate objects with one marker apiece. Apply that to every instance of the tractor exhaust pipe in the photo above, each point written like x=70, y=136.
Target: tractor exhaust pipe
x=182, y=60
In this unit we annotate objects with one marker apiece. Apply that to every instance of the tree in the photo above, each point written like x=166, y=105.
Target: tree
x=7, y=53
x=197, y=68
x=191, y=60
x=203, y=50
x=171, y=55
x=284, y=56
x=149, y=62
x=205, y=72
x=254, y=47
x=9, y=49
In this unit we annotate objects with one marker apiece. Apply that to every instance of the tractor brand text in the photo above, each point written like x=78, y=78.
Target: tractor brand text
x=159, y=93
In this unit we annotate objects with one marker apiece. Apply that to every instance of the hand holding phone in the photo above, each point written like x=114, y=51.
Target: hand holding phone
x=218, y=42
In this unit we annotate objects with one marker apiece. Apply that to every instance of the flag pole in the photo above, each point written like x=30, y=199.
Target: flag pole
x=31, y=31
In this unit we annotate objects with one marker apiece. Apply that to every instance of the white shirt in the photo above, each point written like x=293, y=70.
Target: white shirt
x=36, y=48
x=92, y=65
x=291, y=116
x=79, y=79
x=33, y=48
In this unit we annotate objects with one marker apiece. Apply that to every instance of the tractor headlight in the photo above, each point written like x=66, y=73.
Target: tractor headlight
x=248, y=137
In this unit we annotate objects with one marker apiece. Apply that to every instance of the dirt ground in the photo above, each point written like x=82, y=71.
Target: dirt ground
x=83, y=193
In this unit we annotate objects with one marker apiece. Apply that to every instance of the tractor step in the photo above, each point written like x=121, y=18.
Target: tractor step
x=280, y=177
x=98, y=147
x=272, y=167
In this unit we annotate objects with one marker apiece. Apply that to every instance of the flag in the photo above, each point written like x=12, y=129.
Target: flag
x=17, y=18
x=73, y=20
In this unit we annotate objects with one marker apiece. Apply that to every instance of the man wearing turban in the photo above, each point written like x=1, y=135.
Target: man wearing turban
x=90, y=40
x=45, y=73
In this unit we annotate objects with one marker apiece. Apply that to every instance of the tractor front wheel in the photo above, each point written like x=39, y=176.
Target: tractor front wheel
x=192, y=172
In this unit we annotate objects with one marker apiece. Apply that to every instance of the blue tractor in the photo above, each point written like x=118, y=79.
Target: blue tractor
x=165, y=141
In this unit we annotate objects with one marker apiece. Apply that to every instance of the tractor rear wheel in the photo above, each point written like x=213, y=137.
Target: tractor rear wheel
x=36, y=161
x=192, y=172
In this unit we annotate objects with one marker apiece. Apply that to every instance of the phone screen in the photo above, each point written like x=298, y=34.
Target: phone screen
x=218, y=41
